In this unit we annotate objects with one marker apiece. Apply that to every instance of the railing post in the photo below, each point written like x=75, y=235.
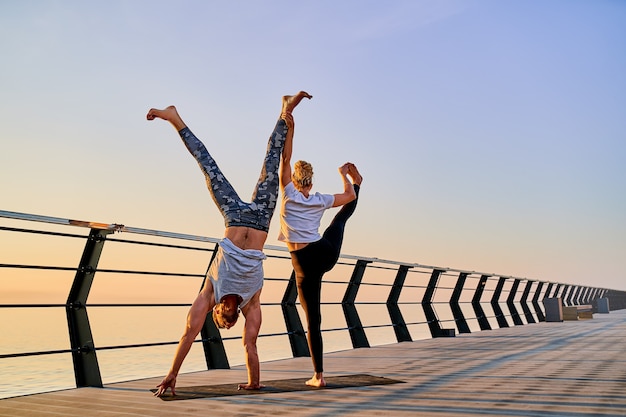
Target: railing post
x=577, y=295
x=459, y=318
x=557, y=292
x=495, y=303
x=399, y=326
x=567, y=294
x=357, y=333
x=549, y=291
x=540, y=316
x=297, y=337
x=580, y=295
x=86, y=369
x=570, y=297
x=564, y=292
x=524, y=302
x=214, y=351
x=510, y=302
x=590, y=298
x=595, y=294
x=573, y=297
x=589, y=295
x=478, y=309
x=429, y=311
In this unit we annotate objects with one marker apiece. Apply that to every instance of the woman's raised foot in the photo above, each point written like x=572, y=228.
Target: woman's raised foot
x=355, y=175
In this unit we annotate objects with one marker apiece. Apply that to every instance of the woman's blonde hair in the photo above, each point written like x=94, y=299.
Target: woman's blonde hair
x=302, y=175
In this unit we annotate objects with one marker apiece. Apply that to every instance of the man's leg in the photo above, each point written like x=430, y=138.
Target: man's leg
x=265, y=194
x=224, y=195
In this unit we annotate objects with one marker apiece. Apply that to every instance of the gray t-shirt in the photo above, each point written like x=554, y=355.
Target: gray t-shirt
x=236, y=271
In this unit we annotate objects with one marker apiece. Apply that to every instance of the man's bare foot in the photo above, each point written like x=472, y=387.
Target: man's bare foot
x=169, y=113
x=165, y=114
x=355, y=175
x=316, y=381
x=290, y=102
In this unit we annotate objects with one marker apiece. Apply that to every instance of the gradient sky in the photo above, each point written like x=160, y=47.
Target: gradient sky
x=491, y=134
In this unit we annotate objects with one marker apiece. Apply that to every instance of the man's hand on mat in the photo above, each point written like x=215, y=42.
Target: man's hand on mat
x=250, y=386
x=168, y=382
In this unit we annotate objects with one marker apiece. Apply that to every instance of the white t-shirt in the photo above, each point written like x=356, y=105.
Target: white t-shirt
x=300, y=216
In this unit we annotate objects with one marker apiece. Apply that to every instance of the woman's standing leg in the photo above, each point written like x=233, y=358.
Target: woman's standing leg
x=309, y=281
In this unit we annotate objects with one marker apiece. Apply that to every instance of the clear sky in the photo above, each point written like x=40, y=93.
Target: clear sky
x=491, y=134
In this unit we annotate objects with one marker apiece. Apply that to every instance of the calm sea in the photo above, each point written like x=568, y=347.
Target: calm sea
x=30, y=330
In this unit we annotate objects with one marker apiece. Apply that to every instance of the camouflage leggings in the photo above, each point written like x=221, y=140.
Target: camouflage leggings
x=258, y=213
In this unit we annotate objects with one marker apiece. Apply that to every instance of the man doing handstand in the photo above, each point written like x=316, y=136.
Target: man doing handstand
x=235, y=277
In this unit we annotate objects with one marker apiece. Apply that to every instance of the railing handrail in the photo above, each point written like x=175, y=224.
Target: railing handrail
x=83, y=348
x=116, y=227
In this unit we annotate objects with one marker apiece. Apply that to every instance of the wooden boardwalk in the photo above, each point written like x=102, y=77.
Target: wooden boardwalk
x=572, y=368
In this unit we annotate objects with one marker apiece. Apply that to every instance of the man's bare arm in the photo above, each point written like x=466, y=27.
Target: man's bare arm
x=252, y=326
x=203, y=303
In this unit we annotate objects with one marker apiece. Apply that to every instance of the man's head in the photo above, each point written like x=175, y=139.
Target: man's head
x=226, y=312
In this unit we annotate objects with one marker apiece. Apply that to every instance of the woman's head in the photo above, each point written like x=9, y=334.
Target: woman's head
x=302, y=175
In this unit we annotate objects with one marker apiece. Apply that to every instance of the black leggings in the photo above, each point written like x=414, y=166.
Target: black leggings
x=310, y=264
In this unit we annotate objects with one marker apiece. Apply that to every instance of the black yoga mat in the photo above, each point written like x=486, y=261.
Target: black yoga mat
x=280, y=385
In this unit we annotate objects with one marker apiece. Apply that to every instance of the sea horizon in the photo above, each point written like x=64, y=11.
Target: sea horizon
x=48, y=331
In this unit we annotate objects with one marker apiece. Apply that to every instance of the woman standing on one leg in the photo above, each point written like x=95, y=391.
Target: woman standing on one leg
x=313, y=255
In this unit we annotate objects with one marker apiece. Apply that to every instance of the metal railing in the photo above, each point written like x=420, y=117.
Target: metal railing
x=445, y=300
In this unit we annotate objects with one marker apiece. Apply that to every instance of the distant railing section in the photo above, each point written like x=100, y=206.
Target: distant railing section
x=463, y=298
